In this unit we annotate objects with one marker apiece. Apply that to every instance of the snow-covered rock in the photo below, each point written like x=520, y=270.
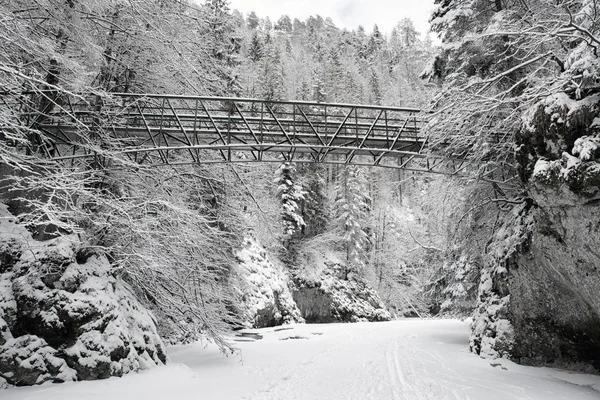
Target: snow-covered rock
x=555, y=280
x=492, y=333
x=587, y=148
x=64, y=316
x=325, y=295
x=266, y=299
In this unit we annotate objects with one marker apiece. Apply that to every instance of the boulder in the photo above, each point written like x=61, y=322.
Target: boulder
x=329, y=297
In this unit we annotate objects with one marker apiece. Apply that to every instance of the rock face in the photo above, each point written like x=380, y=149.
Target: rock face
x=266, y=299
x=63, y=316
x=555, y=288
x=327, y=297
x=539, y=296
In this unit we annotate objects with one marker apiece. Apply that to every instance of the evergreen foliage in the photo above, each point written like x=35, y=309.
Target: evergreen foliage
x=315, y=210
x=291, y=196
x=351, y=208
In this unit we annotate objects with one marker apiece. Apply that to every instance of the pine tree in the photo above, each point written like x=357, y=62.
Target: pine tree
x=298, y=26
x=255, y=51
x=272, y=79
x=334, y=77
x=351, y=208
x=377, y=37
x=284, y=24
x=319, y=94
x=267, y=25
x=303, y=92
x=375, y=42
x=223, y=45
x=253, y=21
x=314, y=212
x=291, y=196
x=376, y=96
x=407, y=33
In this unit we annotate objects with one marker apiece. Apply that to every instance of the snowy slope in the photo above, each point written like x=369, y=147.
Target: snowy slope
x=407, y=359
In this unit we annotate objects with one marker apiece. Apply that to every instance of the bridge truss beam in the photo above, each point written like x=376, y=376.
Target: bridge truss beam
x=173, y=130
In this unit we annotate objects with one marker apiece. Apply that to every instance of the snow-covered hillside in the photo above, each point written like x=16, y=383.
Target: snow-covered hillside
x=406, y=359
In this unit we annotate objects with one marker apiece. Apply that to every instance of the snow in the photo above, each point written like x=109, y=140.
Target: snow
x=586, y=147
x=450, y=17
x=541, y=167
x=406, y=359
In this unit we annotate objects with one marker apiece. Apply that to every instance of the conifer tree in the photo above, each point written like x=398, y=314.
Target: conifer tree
x=407, y=33
x=272, y=79
x=291, y=197
x=253, y=21
x=319, y=95
x=284, y=24
x=376, y=96
x=255, y=51
x=351, y=207
x=303, y=92
x=315, y=210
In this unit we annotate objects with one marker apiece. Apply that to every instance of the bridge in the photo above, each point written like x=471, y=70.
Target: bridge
x=156, y=129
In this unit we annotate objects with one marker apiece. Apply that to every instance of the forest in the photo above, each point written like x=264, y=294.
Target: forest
x=106, y=260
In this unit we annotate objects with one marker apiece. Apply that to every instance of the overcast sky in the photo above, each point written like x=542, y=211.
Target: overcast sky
x=345, y=13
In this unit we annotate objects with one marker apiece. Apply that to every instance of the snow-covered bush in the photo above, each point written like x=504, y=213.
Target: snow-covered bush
x=455, y=285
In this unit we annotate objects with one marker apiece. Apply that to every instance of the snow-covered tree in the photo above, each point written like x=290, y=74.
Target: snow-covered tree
x=255, y=51
x=376, y=96
x=291, y=196
x=252, y=20
x=315, y=208
x=272, y=78
x=284, y=24
x=351, y=208
x=318, y=90
x=406, y=32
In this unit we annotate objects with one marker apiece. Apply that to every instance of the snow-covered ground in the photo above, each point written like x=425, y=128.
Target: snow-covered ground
x=407, y=359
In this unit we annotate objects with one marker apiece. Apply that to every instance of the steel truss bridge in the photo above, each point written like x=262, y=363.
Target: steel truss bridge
x=154, y=129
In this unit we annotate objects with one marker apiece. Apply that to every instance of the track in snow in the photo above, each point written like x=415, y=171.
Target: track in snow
x=400, y=360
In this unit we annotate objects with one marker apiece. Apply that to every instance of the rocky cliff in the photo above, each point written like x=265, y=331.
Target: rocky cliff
x=539, y=301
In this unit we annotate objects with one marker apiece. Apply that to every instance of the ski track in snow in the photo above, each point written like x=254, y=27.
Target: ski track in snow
x=400, y=360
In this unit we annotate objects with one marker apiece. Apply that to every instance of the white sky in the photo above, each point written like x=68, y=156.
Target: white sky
x=345, y=13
